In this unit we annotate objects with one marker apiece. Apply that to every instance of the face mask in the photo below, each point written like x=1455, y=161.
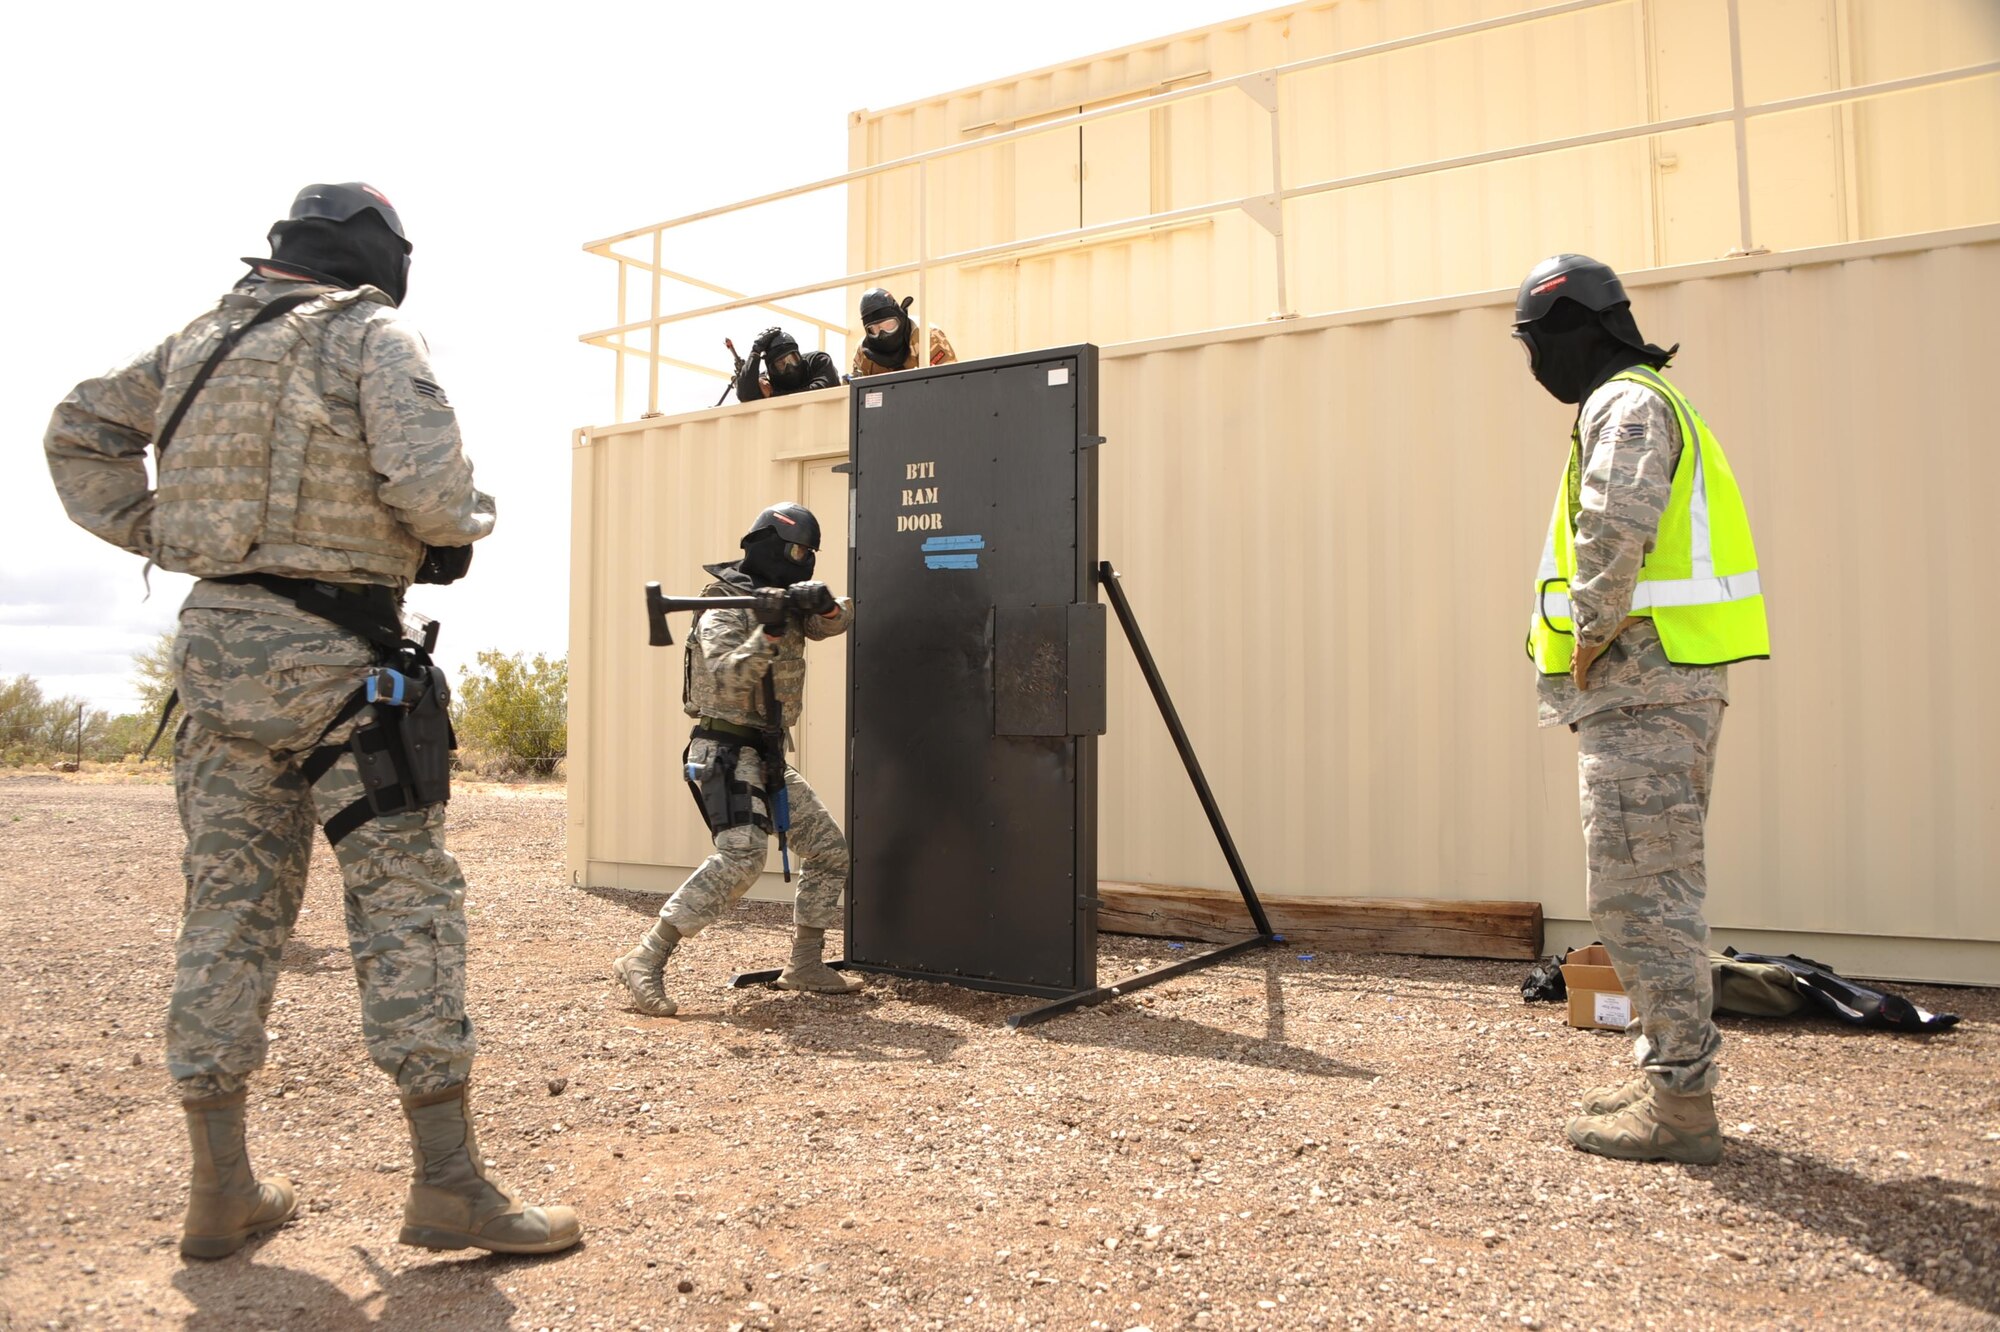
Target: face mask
x=788, y=372
x=779, y=563
x=891, y=348
x=361, y=251
x=1569, y=351
x=1572, y=350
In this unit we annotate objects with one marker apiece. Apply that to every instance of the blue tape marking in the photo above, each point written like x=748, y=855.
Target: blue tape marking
x=951, y=561
x=955, y=543
x=393, y=692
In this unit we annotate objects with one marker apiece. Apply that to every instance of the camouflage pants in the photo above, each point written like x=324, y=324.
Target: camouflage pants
x=1645, y=775
x=258, y=689
x=819, y=854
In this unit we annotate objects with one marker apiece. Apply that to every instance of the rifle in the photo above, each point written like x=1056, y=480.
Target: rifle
x=732, y=383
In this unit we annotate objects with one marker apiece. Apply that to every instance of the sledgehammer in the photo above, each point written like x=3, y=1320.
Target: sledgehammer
x=768, y=606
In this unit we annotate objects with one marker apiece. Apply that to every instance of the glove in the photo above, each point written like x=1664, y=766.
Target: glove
x=763, y=342
x=771, y=609
x=444, y=564
x=810, y=598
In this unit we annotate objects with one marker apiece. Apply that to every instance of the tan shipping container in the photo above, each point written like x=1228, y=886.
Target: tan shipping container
x=1367, y=718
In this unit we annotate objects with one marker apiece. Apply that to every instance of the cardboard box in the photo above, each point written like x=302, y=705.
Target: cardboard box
x=1596, y=999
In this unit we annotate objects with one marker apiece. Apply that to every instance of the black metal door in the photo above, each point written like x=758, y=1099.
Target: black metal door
x=975, y=673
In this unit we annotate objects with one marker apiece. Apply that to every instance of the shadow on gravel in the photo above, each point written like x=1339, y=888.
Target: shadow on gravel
x=1902, y=1222
x=841, y=1028
x=634, y=901
x=236, y=1293
x=1147, y=1033
x=302, y=960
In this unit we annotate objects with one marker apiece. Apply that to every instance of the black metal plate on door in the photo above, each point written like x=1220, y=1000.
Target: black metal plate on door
x=975, y=673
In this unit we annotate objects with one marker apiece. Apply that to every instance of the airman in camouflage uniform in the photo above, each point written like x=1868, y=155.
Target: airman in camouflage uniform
x=1647, y=730
x=321, y=449
x=737, y=667
x=887, y=343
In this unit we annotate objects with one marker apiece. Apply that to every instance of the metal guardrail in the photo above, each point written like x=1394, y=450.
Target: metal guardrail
x=1266, y=209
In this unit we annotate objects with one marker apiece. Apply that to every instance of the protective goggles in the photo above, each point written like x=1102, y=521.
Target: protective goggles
x=1524, y=334
x=888, y=323
x=797, y=552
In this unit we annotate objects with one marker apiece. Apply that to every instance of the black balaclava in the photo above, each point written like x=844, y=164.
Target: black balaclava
x=890, y=349
x=764, y=560
x=782, y=381
x=360, y=251
x=1575, y=350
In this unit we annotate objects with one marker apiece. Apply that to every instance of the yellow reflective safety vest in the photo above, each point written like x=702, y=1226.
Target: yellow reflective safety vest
x=1699, y=584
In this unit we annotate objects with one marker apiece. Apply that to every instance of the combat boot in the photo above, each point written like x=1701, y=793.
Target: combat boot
x=808, y=969
x=1610, y=1100
x=452, y=1204
x=641, y=971
x=226, y=1203
x=1659, y=1126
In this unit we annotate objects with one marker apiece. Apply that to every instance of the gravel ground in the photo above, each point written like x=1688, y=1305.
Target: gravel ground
x=1339, y=1140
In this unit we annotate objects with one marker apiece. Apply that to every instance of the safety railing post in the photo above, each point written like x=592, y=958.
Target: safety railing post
x=618, y=384
x=1744, y=245
x=653, y=361
x=1285, y=310
x=923, y=343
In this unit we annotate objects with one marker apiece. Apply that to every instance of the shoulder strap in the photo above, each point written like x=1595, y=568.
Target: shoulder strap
x=281, y=306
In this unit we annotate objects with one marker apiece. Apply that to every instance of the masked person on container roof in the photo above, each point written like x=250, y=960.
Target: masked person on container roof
x=1647, y=591
x=888, y=333
x=310, y=469
x=775, y=367
x=743, y=682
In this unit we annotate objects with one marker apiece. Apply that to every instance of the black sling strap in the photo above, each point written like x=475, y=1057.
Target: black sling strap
x=281, y=306
x=272, y=310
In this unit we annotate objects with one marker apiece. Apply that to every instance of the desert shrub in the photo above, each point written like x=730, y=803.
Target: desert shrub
x=512, y=715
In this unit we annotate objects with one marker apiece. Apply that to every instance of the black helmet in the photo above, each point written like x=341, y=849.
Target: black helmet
x=337, y=203
x=1576, y=277
x=344, y=235
x=790, y=523
x=780, y=343
x=877, y=303
x=780, y=547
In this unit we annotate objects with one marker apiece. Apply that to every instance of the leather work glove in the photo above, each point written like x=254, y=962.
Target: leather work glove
x=771, y=608
x=811, y=598
x=444, y=564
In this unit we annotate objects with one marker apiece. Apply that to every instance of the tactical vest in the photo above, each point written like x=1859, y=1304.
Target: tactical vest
x=703, y=694
x=269, y=470
x=1698, y=584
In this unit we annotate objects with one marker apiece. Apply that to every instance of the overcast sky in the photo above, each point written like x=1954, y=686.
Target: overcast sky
x=148, y=146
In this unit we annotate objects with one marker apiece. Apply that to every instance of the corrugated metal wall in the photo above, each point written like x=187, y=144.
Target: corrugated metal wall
x=1912, y=162
x=1328, y=529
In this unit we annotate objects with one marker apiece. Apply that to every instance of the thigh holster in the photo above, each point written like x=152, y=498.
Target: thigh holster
x=724, y=801
x=402, y=750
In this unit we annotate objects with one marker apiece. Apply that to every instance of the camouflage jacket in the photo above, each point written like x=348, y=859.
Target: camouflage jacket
x=729, y=654
x=1630, y=444
x=322, y=447
x=941, y=354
